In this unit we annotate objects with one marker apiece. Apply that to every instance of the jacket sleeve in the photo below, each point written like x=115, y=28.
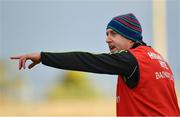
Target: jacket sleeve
x=120, y=63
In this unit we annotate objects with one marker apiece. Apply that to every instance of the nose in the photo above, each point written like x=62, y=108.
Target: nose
x=108, y=40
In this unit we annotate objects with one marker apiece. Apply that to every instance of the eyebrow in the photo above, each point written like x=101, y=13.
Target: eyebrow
x=111, y=31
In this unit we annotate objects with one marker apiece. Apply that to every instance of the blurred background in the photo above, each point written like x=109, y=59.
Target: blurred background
x=74, y=25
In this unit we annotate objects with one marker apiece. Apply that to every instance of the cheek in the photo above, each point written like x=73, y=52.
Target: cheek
x=120, y=44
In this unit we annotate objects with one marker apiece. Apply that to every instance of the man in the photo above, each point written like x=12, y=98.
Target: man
x=145, y=83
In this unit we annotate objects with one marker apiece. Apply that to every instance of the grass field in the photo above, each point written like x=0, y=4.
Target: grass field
x=61, y=108
x=64, y=108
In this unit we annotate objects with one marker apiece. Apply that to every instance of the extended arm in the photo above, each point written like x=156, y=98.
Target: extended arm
x=122, y=63
x=119, y=63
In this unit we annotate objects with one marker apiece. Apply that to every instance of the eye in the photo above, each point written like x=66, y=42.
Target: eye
x=107, y=33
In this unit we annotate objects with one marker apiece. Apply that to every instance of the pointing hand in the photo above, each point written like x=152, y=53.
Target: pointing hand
x=34, y=57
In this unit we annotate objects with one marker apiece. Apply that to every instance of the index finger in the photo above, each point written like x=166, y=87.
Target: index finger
x=15, y=57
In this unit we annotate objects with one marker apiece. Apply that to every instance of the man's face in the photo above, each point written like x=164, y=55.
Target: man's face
x=116, y=42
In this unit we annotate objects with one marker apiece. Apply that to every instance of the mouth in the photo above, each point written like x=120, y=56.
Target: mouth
x=111, y=47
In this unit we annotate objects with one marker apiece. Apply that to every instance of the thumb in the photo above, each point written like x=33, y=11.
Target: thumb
x=32, y=65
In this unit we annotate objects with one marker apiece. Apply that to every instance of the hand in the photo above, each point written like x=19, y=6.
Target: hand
x=34, y=57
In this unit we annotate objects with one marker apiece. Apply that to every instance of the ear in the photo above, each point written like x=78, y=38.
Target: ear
x=131, y=42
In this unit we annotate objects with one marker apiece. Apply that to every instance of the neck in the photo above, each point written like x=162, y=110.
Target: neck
x=136, y=44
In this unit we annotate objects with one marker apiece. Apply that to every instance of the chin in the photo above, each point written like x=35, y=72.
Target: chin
x=113, y=51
